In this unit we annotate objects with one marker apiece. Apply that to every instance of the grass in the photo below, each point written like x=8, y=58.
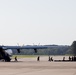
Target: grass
x=24, y=56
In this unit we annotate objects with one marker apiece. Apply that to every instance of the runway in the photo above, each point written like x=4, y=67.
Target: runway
x=29, y=66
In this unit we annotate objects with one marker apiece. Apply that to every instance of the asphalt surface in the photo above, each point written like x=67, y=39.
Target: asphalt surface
x=30, y=66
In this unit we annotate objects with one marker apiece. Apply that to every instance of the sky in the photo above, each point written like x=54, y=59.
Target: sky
x=34, y=22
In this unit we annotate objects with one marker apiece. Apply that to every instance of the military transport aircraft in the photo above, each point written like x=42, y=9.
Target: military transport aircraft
x=6, y=51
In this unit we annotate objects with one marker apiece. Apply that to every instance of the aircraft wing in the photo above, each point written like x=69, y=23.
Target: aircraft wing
x=24, y=47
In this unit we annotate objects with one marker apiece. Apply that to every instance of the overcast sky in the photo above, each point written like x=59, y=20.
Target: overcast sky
x=37, y=21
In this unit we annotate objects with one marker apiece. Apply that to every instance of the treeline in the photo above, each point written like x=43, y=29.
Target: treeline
x=55, y=50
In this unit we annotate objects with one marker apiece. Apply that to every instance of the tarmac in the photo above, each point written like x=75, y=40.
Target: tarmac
x=30, y=66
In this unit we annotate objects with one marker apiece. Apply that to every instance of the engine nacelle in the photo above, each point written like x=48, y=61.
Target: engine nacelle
x=35, y=50
x=9, y=51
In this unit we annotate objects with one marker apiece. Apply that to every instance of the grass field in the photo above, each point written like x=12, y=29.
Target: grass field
x=24, y=56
